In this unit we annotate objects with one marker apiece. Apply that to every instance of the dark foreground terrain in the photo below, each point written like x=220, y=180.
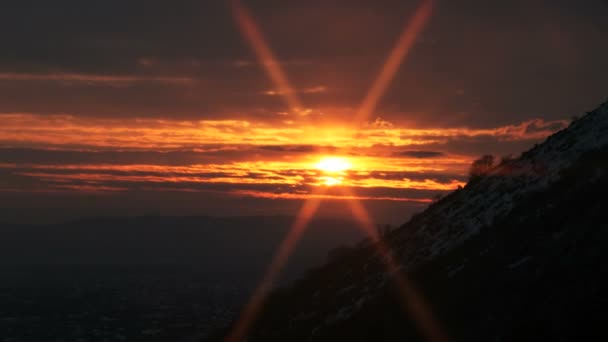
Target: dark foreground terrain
x=142, y=279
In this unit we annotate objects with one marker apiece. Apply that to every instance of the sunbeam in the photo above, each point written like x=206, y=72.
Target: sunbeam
x=251, y=310
x=395, y=59
x=411, y=300
x=254, y=37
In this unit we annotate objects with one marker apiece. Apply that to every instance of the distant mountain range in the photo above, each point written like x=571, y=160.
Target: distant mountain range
x=144, y=278
x=519, y=254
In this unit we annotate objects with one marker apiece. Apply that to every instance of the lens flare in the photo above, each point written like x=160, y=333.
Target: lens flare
x=251, y=310
x=411, y=300
x=254, y=37
x=334, y=169
x=399, y=53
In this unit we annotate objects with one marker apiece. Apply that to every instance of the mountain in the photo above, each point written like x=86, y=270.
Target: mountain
x=519, y=254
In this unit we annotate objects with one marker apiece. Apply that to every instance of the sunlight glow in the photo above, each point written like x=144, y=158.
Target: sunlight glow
x=331, y=181
x=333, y=164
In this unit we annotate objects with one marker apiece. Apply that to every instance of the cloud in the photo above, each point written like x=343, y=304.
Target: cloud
x=170, y=99
x=229, y=136
x=526, y=130
x=300, y=148
x=314, y=90
x=420, y=154
x=203, y=31
x=540, y=126
x=291, y=148
x=66, y=77
x=69, y=153
x=380, y=123
x=296, y=196
x=310, y=90
x=36, y=170
x=284, y=63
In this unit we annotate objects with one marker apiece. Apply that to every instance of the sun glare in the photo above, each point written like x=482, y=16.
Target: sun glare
x=333, y=164
x=333, y=173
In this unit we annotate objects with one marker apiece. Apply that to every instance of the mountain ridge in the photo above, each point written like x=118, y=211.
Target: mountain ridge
x=339, y=300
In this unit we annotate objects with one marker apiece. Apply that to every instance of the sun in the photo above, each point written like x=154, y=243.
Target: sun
x=333, y=164
x=333, y=168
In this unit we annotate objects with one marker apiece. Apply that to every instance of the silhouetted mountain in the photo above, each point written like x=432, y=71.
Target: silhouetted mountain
x=518, y=254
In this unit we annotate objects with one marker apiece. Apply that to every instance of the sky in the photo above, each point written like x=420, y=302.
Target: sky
x=215, y=107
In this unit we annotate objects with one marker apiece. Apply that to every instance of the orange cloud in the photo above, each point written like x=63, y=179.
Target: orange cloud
x=57, y=130
x=251, y=158
x=286, y=195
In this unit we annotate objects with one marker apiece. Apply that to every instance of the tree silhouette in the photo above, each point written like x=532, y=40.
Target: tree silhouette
x=480, y=167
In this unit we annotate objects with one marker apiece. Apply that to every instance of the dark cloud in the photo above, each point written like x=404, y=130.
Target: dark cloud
x=440, y=177
x=540, y=126
x=291, y=148
x=298, y=148
x=420, y=154
x=477, y=63
x=483, y=144
x=63, y=156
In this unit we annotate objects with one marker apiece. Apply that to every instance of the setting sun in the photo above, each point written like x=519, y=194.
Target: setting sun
x=303, y=170
x=333, y=164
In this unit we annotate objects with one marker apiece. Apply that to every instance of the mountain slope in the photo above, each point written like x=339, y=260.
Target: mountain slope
x=518, y=254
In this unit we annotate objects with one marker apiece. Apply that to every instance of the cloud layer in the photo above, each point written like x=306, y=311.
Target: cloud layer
x=116, y=104
x=238, y=158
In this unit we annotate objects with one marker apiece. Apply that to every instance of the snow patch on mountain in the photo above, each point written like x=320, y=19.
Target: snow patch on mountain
x=466, y=212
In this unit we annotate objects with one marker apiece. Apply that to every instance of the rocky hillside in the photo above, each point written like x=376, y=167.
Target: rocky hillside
x=519, y=254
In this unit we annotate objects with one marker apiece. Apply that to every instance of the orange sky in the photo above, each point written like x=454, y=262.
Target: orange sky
x=214, y=104
x=244, y=153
